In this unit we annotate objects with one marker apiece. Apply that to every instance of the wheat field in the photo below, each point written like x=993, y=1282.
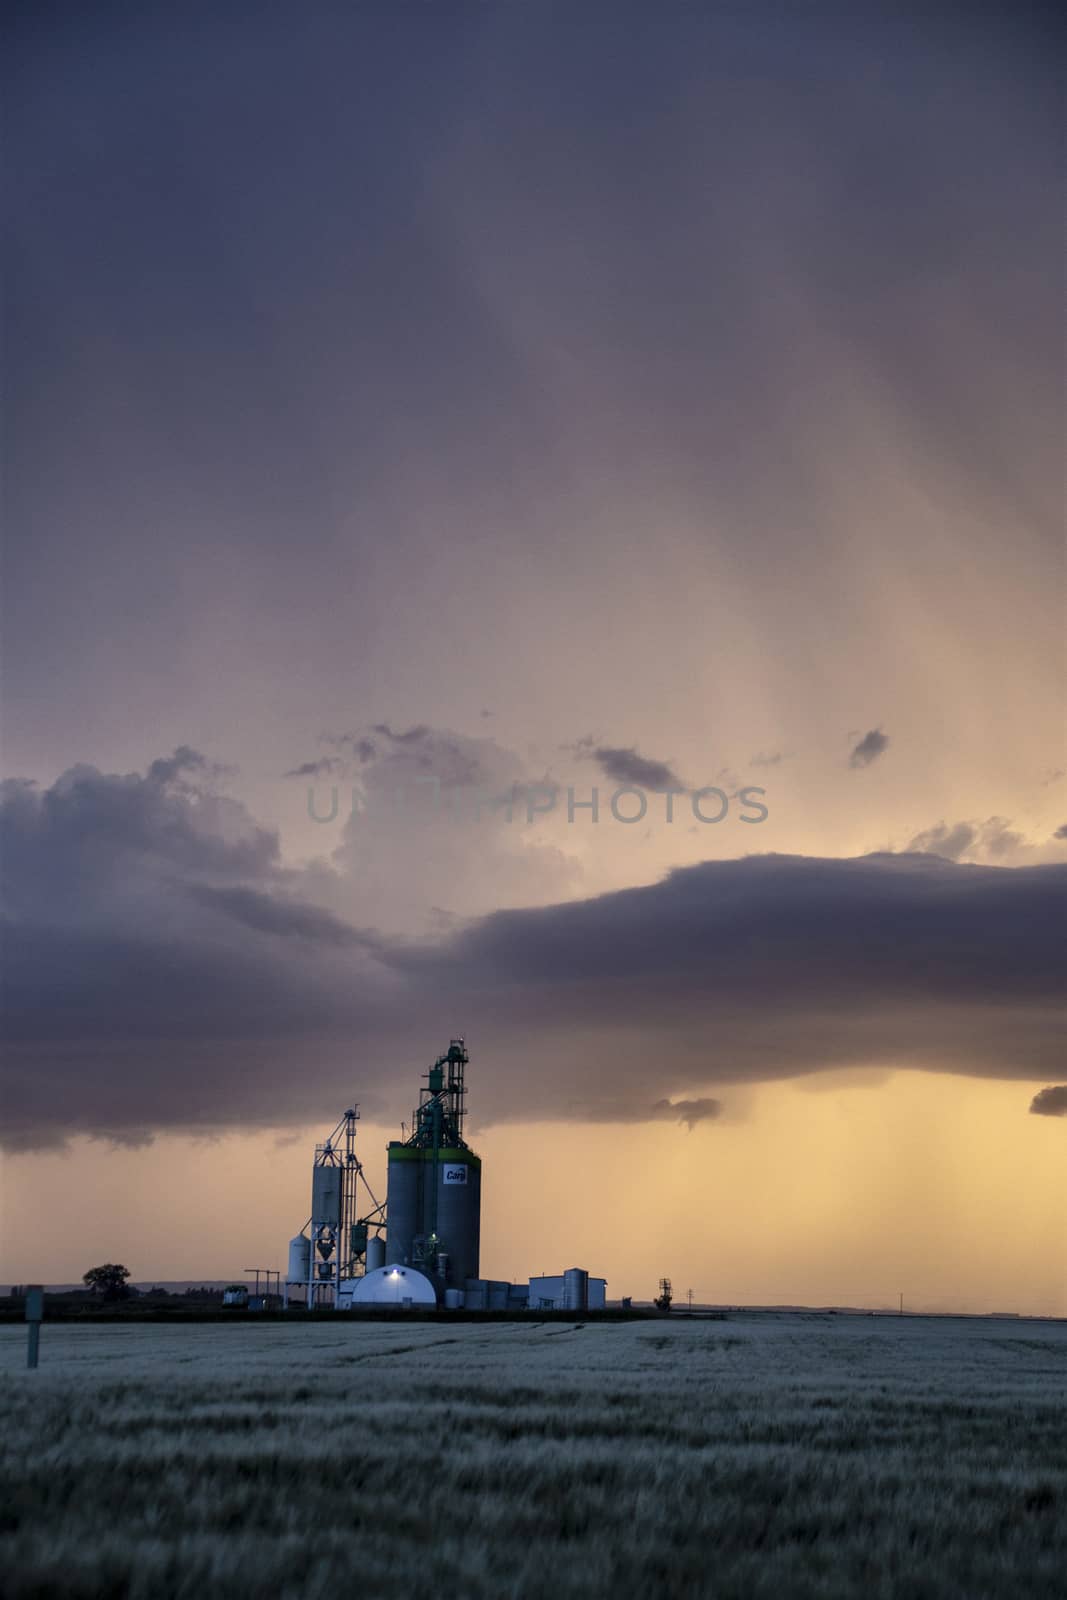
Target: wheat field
x=757, y=1456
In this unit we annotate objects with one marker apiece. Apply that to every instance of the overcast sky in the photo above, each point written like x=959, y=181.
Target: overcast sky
x=412, y=407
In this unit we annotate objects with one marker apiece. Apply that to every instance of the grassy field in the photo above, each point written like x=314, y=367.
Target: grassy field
x=761, y=1456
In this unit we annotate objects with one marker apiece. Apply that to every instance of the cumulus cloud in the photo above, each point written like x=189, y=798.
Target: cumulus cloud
x=992, y=839
x=164, y=969
x=184, y=760
x=869, y=748
x=943, y=840
x=1061, y=831
x=1050, y=1102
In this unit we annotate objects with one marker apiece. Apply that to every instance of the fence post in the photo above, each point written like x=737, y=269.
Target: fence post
x=34, y=1318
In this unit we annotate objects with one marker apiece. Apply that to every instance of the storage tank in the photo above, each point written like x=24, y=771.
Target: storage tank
x=299, y=1259
x=326, y=1195
x=375, y=1253
x=402, y=1208
x=453, y=1299
x=575, y=1289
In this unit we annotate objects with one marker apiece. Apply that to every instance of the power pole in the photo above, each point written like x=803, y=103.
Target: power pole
x=689, y=1297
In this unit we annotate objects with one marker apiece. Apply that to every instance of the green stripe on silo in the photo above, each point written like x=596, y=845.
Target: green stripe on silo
x=405, y=1152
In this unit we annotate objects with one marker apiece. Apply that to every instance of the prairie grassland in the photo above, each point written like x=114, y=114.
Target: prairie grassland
x=755, y=1457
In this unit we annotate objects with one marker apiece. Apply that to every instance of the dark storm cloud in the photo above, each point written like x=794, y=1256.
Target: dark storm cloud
x=689, y=1112
x=267, y=913
x=421, y=752
x=684, y=1112
x=869, y=748
x=626, y=765
x=324, y=767
x=184, y=759
x=1050, y=1102
x=362, y=748
x=413, y=735
x=163, y=969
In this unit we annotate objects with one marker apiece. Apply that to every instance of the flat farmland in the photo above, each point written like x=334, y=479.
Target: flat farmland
x=758, y=1456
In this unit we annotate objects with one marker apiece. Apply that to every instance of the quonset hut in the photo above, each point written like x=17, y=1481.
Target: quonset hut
x=434, y=1203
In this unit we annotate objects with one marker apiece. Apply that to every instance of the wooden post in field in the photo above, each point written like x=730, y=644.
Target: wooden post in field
x=34, y=1318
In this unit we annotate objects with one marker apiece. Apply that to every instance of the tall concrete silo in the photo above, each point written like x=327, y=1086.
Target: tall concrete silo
x=434, y=1204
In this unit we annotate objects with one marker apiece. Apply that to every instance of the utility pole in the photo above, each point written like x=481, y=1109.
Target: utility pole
x=901, y=1312
x=689, y=1297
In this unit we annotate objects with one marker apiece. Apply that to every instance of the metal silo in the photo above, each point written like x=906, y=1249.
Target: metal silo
x=299, y=1259
x=575, y=1289
x=326, y=1196
x=375, y=1253
x=333, y=1248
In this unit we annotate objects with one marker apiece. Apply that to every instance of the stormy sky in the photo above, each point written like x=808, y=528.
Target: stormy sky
x=418, y=418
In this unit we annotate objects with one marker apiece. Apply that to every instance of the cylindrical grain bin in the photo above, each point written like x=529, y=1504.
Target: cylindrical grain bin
x=575, y=1289
x=402, y=1209
x=326, y=1196
x=299, y=1259
x=435, y=1193
x=459, y=1212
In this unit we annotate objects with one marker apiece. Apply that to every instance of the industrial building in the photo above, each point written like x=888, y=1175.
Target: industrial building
x=422, y=1246
x=573, y=1290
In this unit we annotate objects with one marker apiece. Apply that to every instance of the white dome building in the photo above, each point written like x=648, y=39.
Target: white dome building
x=389, y=1286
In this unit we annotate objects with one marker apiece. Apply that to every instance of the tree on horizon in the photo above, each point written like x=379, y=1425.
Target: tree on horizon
x=108, y=1281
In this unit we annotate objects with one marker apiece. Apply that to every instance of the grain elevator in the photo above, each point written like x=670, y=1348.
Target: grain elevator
x=434, y=1198
x=422, y=1247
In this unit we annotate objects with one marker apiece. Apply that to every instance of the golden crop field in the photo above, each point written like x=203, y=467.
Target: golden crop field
x=754, y=1457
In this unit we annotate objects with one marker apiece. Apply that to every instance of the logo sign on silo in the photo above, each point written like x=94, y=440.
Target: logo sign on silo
x=453, y=1174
